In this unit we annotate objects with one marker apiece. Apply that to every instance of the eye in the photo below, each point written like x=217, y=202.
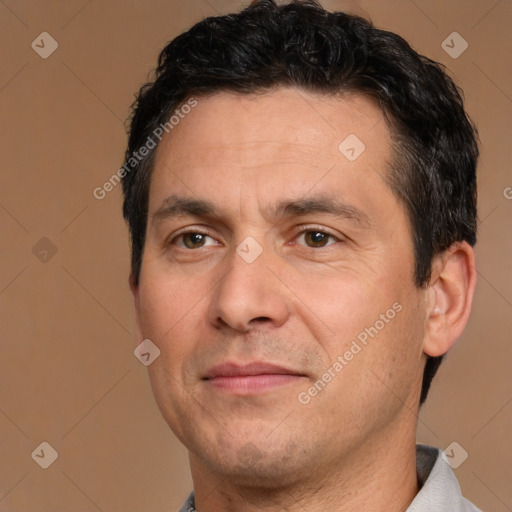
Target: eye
x=315, y=238
x=193, y=240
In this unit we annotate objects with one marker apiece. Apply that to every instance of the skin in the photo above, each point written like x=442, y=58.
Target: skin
x=299, y=304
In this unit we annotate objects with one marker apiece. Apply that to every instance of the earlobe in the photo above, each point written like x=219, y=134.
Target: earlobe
x=450, y=297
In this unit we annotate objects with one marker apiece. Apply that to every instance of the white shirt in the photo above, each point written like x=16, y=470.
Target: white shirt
x=439, y=488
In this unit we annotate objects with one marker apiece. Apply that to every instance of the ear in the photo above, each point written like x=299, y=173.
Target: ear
x=450, y=297
x=134, y=287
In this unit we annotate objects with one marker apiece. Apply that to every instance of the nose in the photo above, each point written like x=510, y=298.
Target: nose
x=249, y=294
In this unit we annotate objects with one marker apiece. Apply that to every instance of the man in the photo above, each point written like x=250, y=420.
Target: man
x=300, y=191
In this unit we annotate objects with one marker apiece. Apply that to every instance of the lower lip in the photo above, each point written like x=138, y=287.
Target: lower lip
x=248, y=384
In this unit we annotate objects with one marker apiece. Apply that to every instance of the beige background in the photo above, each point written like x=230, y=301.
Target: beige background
x=68, y=374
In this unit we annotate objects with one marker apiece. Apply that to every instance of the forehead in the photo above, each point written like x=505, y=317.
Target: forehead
x=286, y=138
x=286, y=115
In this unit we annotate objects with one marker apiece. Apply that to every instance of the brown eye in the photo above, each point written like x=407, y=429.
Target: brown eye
x=316, y=239
x=193, y=240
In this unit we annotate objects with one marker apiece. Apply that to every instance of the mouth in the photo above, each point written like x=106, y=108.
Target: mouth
x=250, y=378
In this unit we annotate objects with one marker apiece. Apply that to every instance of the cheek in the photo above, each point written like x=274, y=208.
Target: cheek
x=392, y=362
x=170, y=318
x=171, y=311
x=376, y=321
x=380, y=366
x=165, y=301
x=343, y=303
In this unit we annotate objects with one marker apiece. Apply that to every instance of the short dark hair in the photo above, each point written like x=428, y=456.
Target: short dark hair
x=299, y=44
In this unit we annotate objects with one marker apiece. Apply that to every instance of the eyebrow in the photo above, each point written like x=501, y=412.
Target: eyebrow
x=321, y=204
x=175, y=206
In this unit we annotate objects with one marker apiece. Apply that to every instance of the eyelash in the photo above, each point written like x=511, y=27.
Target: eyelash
x=301, y=232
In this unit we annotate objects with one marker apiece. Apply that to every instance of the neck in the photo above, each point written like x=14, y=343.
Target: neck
x=380, y=475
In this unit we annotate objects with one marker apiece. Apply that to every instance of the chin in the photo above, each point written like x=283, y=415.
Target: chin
x=252, y=461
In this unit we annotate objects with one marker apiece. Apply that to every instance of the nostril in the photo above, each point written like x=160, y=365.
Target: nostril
x=260, y=319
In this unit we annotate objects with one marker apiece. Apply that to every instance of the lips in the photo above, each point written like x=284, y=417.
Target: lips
x=250, y=378
x=251, y=369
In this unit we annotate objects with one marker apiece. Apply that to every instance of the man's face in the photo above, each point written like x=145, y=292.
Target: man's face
x=271, y=255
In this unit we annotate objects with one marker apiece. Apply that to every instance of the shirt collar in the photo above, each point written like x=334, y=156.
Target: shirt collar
x=439, y=488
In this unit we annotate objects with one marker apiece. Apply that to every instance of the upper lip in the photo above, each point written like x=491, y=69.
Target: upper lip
x=243, y=370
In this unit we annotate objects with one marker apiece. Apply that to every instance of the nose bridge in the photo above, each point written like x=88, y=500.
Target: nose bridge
x=249, y=290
